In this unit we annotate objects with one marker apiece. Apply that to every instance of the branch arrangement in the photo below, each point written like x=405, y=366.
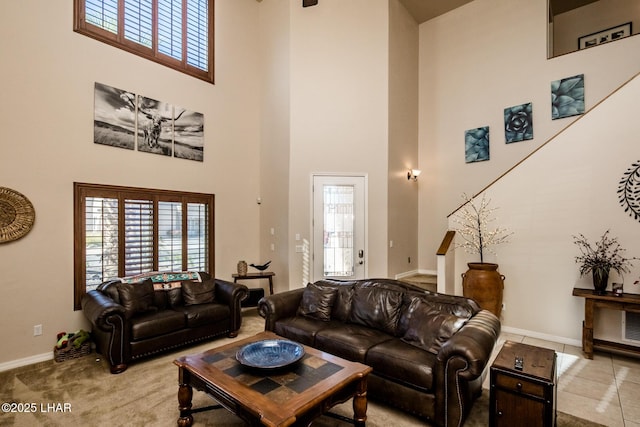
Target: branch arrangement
x=606, y=255
x=474, y=220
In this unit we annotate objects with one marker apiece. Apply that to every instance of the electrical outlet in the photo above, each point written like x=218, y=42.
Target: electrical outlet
x=504, y=306
x=37, y=330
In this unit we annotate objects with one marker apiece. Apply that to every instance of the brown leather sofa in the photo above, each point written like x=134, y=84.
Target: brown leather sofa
x=429, y=352
x=158, y=312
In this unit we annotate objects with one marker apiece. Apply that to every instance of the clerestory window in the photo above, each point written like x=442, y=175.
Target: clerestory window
x=175, y=33
x=124, y=231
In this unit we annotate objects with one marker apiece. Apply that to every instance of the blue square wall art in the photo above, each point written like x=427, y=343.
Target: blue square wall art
x=567, y=97
x=476, y=144
x=518, y=123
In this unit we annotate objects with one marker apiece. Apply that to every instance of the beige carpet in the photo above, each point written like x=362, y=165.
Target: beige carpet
x=83, y=392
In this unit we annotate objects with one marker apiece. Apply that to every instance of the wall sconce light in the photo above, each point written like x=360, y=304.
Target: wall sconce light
x=413, y=174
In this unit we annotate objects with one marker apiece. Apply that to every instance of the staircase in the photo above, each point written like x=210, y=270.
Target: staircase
x=427, y=282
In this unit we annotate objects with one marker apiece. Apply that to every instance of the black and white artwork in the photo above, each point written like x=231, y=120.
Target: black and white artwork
x=126, y=120
x=189, y=135
x=114, y=120
x=155, y=126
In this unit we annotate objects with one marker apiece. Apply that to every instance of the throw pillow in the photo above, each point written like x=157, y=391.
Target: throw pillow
x=194, y=293
x=427, y=327
x=376, y=307
x=136, y=297
x=317, y=301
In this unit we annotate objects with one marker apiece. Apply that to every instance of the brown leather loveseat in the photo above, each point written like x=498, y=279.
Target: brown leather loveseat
x=140, y=316
x=429, y=352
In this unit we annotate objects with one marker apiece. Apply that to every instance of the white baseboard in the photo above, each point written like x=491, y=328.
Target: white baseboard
x=541, y=336
x=5, y=366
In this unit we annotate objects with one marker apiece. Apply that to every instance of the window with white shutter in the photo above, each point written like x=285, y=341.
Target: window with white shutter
x=175, y=33
x=124, y=231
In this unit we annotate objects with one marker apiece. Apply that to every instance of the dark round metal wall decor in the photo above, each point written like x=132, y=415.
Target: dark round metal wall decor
x=16, y=215
x=629, y=191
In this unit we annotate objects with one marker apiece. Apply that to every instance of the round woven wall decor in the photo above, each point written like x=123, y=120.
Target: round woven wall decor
x=16, y=215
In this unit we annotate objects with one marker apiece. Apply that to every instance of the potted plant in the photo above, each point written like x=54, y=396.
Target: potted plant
x=607, y=255
x=482, y=282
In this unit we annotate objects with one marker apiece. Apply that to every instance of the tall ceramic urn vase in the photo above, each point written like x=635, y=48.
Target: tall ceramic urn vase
x=484, y=284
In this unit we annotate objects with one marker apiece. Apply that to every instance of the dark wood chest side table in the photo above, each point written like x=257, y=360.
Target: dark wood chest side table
x=524, y=396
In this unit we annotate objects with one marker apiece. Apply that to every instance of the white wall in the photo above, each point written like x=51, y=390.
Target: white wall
x=339, y=112
x=47, y=82
x=474, y=62
x=403, y=140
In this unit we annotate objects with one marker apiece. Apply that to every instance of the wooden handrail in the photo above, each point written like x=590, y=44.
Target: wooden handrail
x=446, y=242
x=544, y=143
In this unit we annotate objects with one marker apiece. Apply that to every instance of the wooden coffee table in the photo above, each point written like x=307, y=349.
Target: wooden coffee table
x=297, y=394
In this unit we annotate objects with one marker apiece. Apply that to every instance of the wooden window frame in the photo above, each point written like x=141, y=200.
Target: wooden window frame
x=81, y=26
x=83, y=190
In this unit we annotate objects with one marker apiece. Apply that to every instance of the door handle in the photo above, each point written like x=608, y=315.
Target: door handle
x=361, y=256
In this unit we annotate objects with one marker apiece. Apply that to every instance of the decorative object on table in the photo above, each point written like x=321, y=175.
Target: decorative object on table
x=270, y=354
x=476, y=144
x=629, y=189
x=617, y=288
x=262, y=267
x=605, y=36
x=16, y=215
x=600, y=259
x=567, y=97
x=482, y=282
x=242, y=268
x=518, y=123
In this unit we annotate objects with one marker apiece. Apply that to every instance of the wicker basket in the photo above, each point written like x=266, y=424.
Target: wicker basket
x=70, y=352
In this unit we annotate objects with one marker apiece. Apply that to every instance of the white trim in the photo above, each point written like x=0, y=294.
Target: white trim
x=539, y=335
x=26, y=361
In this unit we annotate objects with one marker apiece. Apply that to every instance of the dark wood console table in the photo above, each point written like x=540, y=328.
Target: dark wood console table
x=622, y=302
x=261, y=275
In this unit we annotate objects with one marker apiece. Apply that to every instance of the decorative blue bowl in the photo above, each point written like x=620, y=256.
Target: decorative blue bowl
x=270, y=354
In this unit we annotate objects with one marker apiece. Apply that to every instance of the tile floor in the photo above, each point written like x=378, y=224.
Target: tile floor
x=605, y=390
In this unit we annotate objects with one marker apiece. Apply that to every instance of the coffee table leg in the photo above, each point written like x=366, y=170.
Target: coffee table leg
x=360, y=404
x=185, y=394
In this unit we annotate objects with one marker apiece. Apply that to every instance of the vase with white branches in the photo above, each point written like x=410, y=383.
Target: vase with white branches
x=482, y=282
x=475, y=227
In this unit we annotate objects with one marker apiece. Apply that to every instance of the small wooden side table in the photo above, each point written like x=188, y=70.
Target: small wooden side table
x=261, y=275
x=524, y=396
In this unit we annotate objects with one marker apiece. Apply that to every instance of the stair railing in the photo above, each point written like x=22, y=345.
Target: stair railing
x=445, y=264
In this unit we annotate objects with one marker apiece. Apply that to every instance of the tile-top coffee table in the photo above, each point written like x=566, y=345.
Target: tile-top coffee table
x=294, y=395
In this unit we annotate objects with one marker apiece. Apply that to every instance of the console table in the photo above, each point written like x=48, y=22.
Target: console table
x=261, y=275
x=622, y=302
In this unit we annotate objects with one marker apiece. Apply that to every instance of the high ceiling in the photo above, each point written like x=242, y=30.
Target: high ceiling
x=423, y=10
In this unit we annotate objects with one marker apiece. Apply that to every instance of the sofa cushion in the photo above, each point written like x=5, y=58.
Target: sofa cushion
x=174, y=297
x=136, y=297
x=317, y=301
x=202, y=314
x=153, y=324
x=302, y=329
x=402, y=362
x=194, y=293
x=349, y=341
x=376, y=307
x=427, y=327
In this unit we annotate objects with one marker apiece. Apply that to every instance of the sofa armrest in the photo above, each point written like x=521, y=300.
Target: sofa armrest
x=279, y=306
x=232, y=294
x=461, y=361
x=97, y=308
